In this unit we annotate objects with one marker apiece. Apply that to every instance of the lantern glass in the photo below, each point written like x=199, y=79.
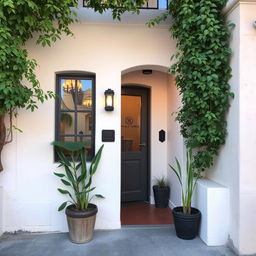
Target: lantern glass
x=109, y=100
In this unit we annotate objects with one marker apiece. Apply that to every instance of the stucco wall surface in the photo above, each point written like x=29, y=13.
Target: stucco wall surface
x=226, y=168
x=247, y=182
x=29, y=185
x=175, y=142
x=235, y=167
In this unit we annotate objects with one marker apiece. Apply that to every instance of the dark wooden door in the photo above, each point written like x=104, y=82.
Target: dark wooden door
x=134, y=144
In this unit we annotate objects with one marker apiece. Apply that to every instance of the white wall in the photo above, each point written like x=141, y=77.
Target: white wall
x=226, y=168
x=175, y=141
x=28, y=180
x=247, y=225
x=235, y=167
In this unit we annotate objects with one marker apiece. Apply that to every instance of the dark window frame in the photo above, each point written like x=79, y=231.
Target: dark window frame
x=147, y=7
x=77, y=76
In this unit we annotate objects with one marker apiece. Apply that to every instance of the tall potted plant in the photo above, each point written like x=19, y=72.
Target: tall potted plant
x=81, y=213
x=186, y=218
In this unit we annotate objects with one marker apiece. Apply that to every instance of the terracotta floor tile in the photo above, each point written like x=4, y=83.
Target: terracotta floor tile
x=145, y=214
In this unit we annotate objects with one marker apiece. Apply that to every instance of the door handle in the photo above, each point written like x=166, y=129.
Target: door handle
x=143, y=145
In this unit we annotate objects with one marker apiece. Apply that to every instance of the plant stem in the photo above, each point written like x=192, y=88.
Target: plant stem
x=77, y=185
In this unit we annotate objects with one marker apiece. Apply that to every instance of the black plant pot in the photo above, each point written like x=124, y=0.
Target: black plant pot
x=186, y=225
x=161, y=195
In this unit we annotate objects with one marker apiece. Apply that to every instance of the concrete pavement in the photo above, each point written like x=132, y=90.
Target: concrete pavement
x=128, y=241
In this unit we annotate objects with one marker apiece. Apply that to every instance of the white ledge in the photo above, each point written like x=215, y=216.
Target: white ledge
x=88, y=15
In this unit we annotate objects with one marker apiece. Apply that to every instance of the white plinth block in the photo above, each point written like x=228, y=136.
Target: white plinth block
x=212, y=199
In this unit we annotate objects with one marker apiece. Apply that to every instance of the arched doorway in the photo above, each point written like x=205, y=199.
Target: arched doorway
x=136, y=183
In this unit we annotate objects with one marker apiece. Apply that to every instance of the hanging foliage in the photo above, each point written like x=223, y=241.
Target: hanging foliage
x=46, y=21
x=202, y=73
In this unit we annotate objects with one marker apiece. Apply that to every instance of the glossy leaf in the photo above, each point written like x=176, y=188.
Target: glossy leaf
x=66, y=182
x=202, y=71
x=62, y=206
x=95, y=161
x=70, y=145
x=63, y=191
x=77, y=178
x=99, y=196
x=61, y=175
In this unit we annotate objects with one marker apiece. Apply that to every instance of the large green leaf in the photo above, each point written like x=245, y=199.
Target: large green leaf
x=62, y=206
x=70, y=176
x=89, y=190
x=89, y=183
x=77, y=177
x=82, y=177
x=83, y=167
x=63, y=159
x=70, y=145
x=99, y=196
x=78, y=166
x=177, y=174
x=63, y=191
x=95, y=161
x=61, y=175
x=66, y=192
x=65, y=182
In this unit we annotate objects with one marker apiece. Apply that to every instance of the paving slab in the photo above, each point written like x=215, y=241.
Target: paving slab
x=127, y=241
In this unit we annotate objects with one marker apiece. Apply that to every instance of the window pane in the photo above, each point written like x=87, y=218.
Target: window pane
x=152, y=3
x=67, y=138
x=84, y=94
x=84, y=123
x=163, y=4
x=131, y=123
x=67, y=94
x=67, y=122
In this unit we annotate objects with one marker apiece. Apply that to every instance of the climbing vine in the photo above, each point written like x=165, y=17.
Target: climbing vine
x=45, y=21
x=202, y=73
x=202, y=63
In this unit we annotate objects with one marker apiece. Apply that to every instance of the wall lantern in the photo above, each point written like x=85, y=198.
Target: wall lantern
x=109, y=100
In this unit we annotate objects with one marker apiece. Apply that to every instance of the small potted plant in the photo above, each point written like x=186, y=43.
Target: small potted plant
x=81, y=213
x=186, y=218
x=161, y=193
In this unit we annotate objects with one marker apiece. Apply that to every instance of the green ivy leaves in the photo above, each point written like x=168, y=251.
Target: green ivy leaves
x=22, y=20
x=202, y=74
x=19, y=21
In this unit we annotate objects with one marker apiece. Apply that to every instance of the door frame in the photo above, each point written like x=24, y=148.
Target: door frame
x=148, y=88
